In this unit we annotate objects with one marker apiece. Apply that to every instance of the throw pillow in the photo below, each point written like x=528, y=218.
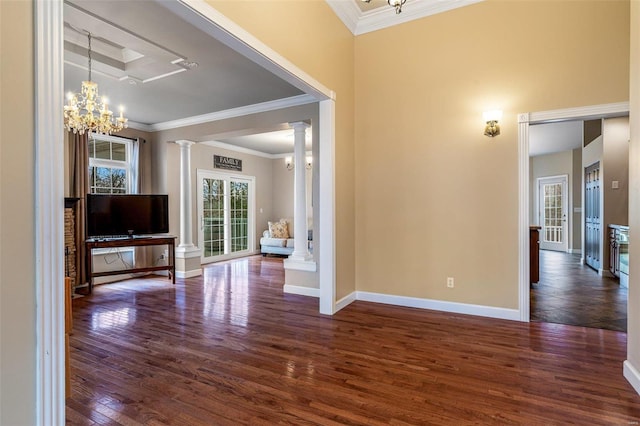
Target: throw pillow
x=279, y=229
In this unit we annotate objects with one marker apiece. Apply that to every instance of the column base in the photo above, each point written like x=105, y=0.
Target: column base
x=300, y=264
x=188, y=263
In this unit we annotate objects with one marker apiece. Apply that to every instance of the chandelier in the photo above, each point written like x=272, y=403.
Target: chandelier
x=86, y=111
x=393, y=3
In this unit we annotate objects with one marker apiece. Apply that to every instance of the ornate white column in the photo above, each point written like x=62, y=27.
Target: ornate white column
x=300, y=253
x=187, y=254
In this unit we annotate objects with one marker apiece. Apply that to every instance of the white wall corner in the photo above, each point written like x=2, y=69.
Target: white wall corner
x=346, y=301
x=632, y=375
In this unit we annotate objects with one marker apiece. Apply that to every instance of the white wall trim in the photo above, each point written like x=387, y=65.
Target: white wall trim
x=189, y=274
x=346, y=301
x=524, y=120
x=301, y=290
x=232, y=113
x=49, y=208
x=359, y=22
x=580, y=113
x=440, y=305
x=300, y=265
x=523, y=217
x=326, y=245
x=631, y=374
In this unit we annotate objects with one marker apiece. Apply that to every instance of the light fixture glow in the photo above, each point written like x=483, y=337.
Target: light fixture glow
x=87, y=112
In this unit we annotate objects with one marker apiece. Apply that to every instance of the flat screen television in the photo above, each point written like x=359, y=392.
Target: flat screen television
x=117, y=215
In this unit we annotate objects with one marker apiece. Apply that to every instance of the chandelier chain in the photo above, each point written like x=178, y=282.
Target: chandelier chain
x=89, y=56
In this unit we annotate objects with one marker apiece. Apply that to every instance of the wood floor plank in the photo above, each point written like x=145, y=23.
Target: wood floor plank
x=231, y=348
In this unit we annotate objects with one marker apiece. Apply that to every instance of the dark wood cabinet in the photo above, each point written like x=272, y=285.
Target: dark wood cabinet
x=534, y=254
x=96, y=243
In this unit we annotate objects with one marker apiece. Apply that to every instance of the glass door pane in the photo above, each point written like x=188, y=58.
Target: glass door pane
x=213, y=199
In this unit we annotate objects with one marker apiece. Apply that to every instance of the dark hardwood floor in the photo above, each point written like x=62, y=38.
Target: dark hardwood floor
x=230, y=348
x=574, y=294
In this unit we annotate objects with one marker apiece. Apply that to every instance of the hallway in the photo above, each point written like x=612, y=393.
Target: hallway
x=574, y=294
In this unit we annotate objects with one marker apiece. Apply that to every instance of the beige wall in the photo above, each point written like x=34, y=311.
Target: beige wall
x=316, y=41
x=436, y=198
x=633, y=306
x=615, y=138
x=17, y=252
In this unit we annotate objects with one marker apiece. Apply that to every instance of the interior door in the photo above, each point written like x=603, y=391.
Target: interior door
x=553, y=206
x=592, y=231
x=225, y=212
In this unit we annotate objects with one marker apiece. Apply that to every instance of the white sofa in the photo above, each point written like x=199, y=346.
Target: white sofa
x=277, y=244
x=269, y=245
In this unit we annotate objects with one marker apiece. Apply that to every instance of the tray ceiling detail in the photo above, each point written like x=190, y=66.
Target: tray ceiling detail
x=363, y=18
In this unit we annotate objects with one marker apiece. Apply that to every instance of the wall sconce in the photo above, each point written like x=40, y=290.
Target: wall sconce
x=289, y=163
x=491, y=118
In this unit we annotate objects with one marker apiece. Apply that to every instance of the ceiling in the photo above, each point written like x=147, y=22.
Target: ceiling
x=167, y=73
x=550, y=138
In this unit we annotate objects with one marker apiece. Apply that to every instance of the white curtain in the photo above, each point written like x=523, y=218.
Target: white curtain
x=133, y=185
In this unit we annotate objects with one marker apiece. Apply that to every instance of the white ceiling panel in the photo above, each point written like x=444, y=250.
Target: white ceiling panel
x=549, y=138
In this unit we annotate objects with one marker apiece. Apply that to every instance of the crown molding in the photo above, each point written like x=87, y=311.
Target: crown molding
x=360, y=22
x=232, y=113
x=229, y=147
x=249, y=151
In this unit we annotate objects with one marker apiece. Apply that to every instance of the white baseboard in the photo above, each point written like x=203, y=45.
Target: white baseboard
x=189, y=274
x=345, y=301
x=632, y=375
x=439, y=305
x=303, y=291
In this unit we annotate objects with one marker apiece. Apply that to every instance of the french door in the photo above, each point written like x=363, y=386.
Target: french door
x=553, y=206
x=226, y=215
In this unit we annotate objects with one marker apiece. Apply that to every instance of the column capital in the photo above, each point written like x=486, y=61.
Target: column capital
x=184, y=142
x=299, y=125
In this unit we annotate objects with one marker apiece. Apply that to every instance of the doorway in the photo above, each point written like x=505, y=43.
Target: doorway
x=525, y=120
x=568, y=276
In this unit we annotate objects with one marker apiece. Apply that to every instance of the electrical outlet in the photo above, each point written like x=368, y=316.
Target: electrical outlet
x=450, y=282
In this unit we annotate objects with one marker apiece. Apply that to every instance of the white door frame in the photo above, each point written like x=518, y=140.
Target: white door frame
x=524, y=121
x=251, y=231
x=49, y=180
x=539, y=209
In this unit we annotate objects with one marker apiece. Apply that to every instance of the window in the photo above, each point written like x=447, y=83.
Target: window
x=112, y=168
